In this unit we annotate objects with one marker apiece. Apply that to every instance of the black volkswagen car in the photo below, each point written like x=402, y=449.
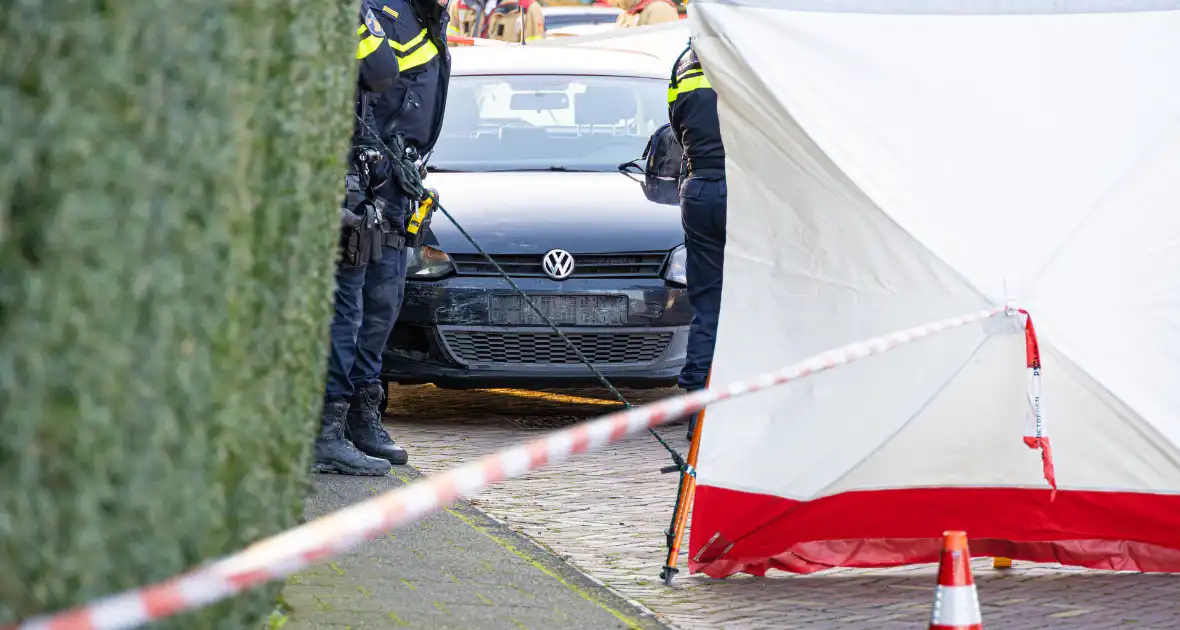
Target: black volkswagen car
x=528, y=162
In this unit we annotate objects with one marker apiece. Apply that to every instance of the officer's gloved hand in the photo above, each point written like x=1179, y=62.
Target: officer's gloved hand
x=380, y=173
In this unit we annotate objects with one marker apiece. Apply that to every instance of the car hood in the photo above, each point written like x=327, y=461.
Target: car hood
x=526, y=213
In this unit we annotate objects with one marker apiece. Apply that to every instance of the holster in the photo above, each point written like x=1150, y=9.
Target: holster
x=361, y=221
x=354, y=190
x=372, y=235
x=360, y=236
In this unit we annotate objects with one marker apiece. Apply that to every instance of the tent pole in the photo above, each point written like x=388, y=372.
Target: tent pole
x=684, y=497
x=675, y=511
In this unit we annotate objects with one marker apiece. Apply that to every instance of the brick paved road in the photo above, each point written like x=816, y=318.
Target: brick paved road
x=605, y=514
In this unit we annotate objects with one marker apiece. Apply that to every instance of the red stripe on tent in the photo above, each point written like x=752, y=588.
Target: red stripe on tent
x=743, y=532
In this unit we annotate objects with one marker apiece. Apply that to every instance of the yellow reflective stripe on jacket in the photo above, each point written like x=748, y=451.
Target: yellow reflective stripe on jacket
x=417, y=39
x=368, y=45
x=690, y=81
x=419, y=57
x=362, y=29
x=415, y=52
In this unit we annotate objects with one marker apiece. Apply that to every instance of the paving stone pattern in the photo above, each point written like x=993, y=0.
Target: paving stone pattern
x=605, y=513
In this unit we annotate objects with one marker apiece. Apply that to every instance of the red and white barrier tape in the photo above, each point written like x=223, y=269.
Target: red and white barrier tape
x=290, y=551
x=1036, y=434
x=463, y=40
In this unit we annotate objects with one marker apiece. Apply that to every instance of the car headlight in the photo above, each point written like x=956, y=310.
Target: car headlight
x=428, y=263
x=677, y=270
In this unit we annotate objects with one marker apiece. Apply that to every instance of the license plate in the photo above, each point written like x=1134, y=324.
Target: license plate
x=563, y=310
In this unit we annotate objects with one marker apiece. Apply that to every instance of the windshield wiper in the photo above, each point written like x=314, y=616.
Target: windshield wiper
x=551, y=169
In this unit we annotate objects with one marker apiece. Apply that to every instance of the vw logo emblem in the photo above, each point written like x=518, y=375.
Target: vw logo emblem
x=558, y=264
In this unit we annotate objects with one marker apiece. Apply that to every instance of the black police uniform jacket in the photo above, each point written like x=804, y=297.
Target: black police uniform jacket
x=378, y=70
x=378, y=61
x=414, y=105
x=692, y=110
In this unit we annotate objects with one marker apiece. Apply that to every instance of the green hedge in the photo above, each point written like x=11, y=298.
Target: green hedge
x=169, y=173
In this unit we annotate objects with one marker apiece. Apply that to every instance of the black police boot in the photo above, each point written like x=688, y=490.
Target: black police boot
x=335, y=454
x=365, y=428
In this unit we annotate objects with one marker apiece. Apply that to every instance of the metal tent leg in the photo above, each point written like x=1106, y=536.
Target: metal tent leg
x=688, y=485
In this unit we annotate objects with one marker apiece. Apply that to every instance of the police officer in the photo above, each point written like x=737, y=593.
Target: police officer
x=692, y=105
x=405, y=70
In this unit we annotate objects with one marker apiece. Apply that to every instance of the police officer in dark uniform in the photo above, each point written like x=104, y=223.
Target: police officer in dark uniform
x=402, y=109
x=692, y=107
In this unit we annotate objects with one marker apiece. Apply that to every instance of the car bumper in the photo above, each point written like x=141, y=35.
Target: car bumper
x=450, y=334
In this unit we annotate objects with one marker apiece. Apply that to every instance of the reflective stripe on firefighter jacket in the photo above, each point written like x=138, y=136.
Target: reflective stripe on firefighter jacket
x=692, y=110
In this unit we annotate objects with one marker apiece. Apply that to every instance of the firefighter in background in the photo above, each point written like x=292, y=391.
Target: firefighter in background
x=501, y=20
x=645, y=12
x=462, y=19
x=505, y=21
x=692, y=108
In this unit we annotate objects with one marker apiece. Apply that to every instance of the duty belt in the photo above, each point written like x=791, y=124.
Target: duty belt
x=706, y=166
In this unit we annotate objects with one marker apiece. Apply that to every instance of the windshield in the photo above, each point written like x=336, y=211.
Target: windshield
x=547, y=122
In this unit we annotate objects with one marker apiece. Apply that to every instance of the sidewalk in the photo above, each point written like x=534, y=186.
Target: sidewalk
x=457, y=569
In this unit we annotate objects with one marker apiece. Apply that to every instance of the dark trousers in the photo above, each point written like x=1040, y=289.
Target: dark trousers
x=368, y=300
x=702, y=212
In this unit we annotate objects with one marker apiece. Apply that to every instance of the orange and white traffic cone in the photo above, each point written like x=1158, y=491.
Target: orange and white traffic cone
x=956, y=604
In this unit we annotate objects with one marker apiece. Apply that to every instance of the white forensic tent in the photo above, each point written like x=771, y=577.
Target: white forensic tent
x=892, y=163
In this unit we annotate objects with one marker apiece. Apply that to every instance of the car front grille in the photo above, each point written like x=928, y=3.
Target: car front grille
x=623, y=265
x=492, y=347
